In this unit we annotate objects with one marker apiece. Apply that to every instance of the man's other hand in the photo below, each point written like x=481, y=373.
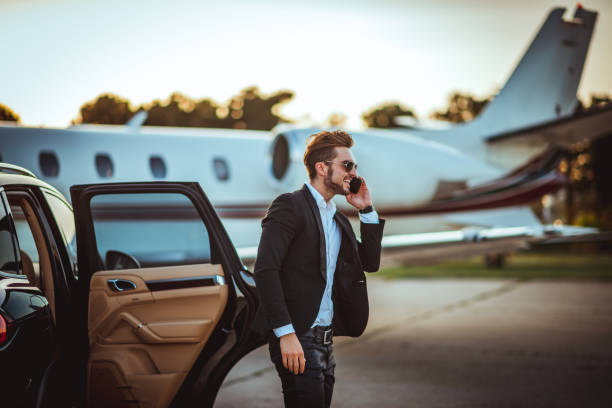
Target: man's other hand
x=293, y=355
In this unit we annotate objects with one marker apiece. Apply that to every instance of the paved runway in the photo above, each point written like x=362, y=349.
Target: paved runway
x=463, y=343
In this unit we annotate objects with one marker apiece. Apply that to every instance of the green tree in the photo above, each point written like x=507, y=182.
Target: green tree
x=588, y=169
x=383, y=115
x=174, y=111
x=251, y=109
x=336, y=119
x=8, y=114
x=107, y=109
x=204, y=114
x=462, y=107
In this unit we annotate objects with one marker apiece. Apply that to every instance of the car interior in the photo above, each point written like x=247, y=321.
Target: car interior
x=35, y=261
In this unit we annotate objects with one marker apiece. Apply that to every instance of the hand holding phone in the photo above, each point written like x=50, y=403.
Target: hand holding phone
x=359, y=196
x=355, y=185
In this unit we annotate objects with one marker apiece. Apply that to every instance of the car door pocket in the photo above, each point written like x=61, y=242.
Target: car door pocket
x=189, y=331
x=124, y=329
x=172, y=332
x=139, y=328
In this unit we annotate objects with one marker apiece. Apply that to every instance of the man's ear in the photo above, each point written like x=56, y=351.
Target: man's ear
x=321, y=168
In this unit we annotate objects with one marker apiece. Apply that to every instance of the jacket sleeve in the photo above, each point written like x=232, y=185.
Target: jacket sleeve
x=370, y=245
x=278, y=230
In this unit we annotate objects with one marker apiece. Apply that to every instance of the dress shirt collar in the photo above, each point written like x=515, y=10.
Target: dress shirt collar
x=325, y=206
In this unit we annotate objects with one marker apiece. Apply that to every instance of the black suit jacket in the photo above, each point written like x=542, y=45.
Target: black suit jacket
x=290, y=271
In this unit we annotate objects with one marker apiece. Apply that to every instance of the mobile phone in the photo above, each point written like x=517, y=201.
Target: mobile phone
x=355, y=185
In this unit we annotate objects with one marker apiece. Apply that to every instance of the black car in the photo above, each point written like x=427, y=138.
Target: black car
x=138, y=299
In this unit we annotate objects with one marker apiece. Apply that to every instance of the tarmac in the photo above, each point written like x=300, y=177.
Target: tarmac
x=462, y=343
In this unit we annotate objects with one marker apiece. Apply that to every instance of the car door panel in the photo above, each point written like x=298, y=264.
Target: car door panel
x=152, y=337
x=165, y=333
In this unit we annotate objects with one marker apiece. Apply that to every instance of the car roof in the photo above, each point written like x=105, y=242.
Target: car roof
x=15, y=175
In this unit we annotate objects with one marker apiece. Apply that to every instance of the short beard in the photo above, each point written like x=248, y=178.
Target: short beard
x=336, y=188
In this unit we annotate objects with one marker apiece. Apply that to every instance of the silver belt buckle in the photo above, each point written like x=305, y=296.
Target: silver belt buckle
x=325, y=334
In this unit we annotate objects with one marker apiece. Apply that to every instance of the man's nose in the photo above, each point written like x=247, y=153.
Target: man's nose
x=353, y=172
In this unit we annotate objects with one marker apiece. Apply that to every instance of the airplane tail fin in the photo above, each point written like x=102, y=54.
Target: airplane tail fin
x=544, y=83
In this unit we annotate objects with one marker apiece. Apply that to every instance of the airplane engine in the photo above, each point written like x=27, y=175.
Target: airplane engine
x=285, y=160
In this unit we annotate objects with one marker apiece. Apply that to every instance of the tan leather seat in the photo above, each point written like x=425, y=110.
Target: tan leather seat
x=28, y=269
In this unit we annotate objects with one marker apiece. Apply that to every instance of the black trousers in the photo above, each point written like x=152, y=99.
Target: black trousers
x=313, y=388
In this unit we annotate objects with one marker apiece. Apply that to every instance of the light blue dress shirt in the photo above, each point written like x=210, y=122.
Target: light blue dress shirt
x=333, y=237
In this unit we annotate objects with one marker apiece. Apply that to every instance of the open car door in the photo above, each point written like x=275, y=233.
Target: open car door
x=157, y=295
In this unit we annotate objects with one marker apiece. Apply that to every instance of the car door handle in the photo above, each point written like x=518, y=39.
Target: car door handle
x=121, y=285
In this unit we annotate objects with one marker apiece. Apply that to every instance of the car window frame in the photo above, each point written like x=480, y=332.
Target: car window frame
x=62, y=284
x=69, y=266
x=13, y=231
x=29, y=194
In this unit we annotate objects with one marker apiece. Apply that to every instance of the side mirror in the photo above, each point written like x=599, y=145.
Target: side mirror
x=116, y=260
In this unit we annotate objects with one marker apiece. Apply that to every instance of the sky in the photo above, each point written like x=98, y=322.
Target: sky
x=336, y=56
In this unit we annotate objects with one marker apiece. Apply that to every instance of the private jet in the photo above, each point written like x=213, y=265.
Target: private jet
x=467, y=186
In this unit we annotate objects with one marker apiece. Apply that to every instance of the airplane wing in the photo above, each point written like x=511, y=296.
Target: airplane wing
x=481, y=232
x=433, y=247
x=496, y=231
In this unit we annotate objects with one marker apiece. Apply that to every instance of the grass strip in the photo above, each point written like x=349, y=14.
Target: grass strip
x=519, y=266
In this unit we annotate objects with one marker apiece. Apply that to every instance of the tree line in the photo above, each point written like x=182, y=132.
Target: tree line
x=249, y=109
x=252, y=109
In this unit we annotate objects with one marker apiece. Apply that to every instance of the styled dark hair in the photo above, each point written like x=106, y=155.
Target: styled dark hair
x=320, y=147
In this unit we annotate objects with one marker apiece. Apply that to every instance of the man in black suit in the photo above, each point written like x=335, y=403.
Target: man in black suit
x=309, y=271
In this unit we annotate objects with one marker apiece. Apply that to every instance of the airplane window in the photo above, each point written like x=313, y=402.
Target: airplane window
x=104, y=165
x=8, y=261
x=221, y=169
x=156, y=229
x=158, y=167
x=48, y=163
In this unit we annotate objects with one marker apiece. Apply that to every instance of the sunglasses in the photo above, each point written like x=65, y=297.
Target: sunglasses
x=349, y=165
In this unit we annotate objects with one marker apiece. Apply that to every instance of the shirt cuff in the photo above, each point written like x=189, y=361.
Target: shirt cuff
x=281, y=331
x=369, y=218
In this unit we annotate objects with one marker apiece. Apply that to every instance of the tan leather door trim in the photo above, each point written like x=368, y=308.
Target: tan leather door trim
x=145, y=342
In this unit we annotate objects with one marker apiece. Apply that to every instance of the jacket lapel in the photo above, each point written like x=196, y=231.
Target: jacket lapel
x=347, y=230
x=315, y=211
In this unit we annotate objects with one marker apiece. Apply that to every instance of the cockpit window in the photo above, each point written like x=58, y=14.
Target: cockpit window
x=221, y=169
x=104, y=165
x=48, y=163
x=158, y=167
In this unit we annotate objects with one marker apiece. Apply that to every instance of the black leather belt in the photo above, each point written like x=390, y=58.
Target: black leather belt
x=320, y=334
